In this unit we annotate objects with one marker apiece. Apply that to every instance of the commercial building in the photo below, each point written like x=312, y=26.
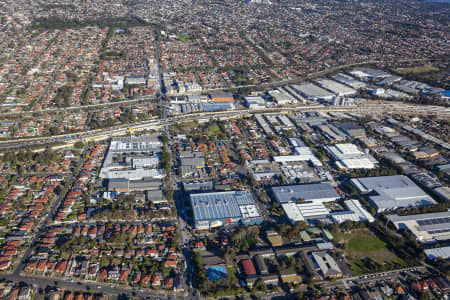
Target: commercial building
x=442, y=192
x=218, y=208
x=248, y=267
x=135, y=80
x=393, y=157
x=392, y=192
x=150, y=144
x=254, y=102
x=191, y=163
x=314, y=192
x=326, y=264
x=335, y=87
x=196, y=186
x=302, y=154
x=218, y=106
x=435, y=253
x=350, y=81
x=355, y=212
x=135, y=174
x=369, y=74
x=145, y=143
x=156, y=196
x=222, y=97
x=352, y=129
x=332, y=133
x=145, y=162
x=125, y=186
x=313, y=92
x=348, y=156
x=427, y=228
x=280, y=97
x=305, y=211
x=263, y=124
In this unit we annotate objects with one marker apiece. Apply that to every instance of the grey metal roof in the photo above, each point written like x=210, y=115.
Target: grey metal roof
x=418, y=217
x=308, y=192
x=393, y=191
x=326, y=263
x=442, y=252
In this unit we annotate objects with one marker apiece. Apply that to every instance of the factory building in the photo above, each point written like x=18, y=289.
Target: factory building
x=392, y=192
x=313, y=92
x=369, y=74
x=222, y=97
x=302, y=154
x=335, y=87
x=427, y=228
x=280, y=97
x=254, y=102
x=355, y=212
x=219, y=208
x=350, y=81
x=123, y=185
x=314, y=192
x=348, y=156
x=352, y=129
x=146, y=143
x=305, y=211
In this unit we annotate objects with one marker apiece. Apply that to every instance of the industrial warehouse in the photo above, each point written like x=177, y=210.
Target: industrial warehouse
x=348, y=156
x=392, y=192
x=427, y=228
x=219, y=208
x=315, y=192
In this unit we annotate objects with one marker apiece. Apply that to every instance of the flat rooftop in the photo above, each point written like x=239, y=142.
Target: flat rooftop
x=223, y=205
x=392, y=192
x=321, y=192
x=312, y=91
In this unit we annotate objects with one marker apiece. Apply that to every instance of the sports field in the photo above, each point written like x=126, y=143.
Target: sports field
x=366, y=253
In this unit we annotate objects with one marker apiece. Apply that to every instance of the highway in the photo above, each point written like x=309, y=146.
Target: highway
x=382, y=108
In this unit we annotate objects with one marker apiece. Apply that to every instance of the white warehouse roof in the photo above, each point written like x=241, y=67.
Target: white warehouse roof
x=304, y=211
x=335, y=87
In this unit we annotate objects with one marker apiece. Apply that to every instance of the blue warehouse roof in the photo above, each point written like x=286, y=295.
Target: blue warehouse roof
x=219, y=205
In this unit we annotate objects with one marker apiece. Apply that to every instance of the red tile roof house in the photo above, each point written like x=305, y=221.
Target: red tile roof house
x=145, y=279
x=5, y=265
x=168, y=283
x=170, y=263
x=61, y=267
x=156, y=280
x=124, y=275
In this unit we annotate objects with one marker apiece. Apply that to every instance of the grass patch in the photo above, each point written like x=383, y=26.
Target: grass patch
x=416, y=70
x=184, y=37
x=366, y=253
x=213, y=130
x=365, y=243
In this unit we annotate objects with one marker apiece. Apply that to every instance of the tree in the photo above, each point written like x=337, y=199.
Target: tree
x=79, y=145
